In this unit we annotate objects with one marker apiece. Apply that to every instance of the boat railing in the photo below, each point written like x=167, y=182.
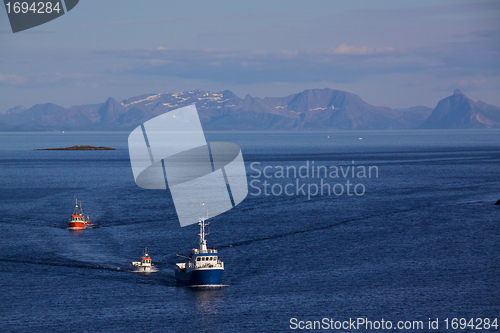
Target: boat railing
x=197, y=251
x=206, y=264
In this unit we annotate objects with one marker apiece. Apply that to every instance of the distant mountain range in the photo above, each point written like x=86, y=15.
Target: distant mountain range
x=316, y=109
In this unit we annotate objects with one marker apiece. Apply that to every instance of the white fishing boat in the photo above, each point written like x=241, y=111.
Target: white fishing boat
x=145, y=264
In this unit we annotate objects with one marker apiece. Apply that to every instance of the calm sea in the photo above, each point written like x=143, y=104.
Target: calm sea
x=422, y=241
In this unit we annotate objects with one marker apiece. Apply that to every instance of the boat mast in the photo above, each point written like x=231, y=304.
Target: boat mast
x=203, y=241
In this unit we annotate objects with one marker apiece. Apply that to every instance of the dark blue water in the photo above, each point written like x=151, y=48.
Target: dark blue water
x=422, y=242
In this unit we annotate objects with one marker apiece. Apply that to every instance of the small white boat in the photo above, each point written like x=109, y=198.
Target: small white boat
x=145, y=264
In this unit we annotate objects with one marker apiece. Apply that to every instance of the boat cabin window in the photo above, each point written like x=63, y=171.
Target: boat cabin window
x=206, y=258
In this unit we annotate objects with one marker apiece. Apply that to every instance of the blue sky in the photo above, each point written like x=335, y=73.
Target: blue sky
x=391, y=53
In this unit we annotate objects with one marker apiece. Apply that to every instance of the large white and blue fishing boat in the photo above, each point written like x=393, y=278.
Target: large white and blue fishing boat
x=202, y=267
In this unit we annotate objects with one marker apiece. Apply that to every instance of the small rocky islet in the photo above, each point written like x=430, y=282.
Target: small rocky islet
x=80, y=147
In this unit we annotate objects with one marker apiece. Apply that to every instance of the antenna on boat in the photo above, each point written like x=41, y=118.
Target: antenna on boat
x=203, y=241
x=203, y=204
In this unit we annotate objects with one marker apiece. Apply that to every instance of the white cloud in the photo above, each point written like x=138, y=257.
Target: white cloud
x=62, y=77
x=475, y=83
x=12, y=79
x=158, y=62
x=344, y=49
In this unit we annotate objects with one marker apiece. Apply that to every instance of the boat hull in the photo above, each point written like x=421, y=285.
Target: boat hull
x=77, y=225
x=199, y=277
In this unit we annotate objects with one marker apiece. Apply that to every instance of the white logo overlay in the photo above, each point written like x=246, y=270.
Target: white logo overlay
x=170, y=150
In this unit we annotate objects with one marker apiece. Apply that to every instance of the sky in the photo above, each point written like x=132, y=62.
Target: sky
x=391, y=53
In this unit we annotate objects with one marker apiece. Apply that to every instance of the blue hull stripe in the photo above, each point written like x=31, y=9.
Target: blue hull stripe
x=199, y=277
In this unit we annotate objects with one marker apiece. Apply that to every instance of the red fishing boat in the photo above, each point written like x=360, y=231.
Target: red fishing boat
x=78, y=220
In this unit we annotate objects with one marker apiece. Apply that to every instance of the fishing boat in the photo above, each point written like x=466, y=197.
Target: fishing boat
x=202, y=267
x=145, y=264
x=78, y=220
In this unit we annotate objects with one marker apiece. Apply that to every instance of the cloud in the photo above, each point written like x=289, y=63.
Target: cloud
x=344, y=49
x=63, y=77
x=249, y=67
x=12, y=79
x=352, y=50
x=463, y=83
x=52, y=79
x=465, y=57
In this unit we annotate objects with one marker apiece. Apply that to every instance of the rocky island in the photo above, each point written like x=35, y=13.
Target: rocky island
x=78, y=147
